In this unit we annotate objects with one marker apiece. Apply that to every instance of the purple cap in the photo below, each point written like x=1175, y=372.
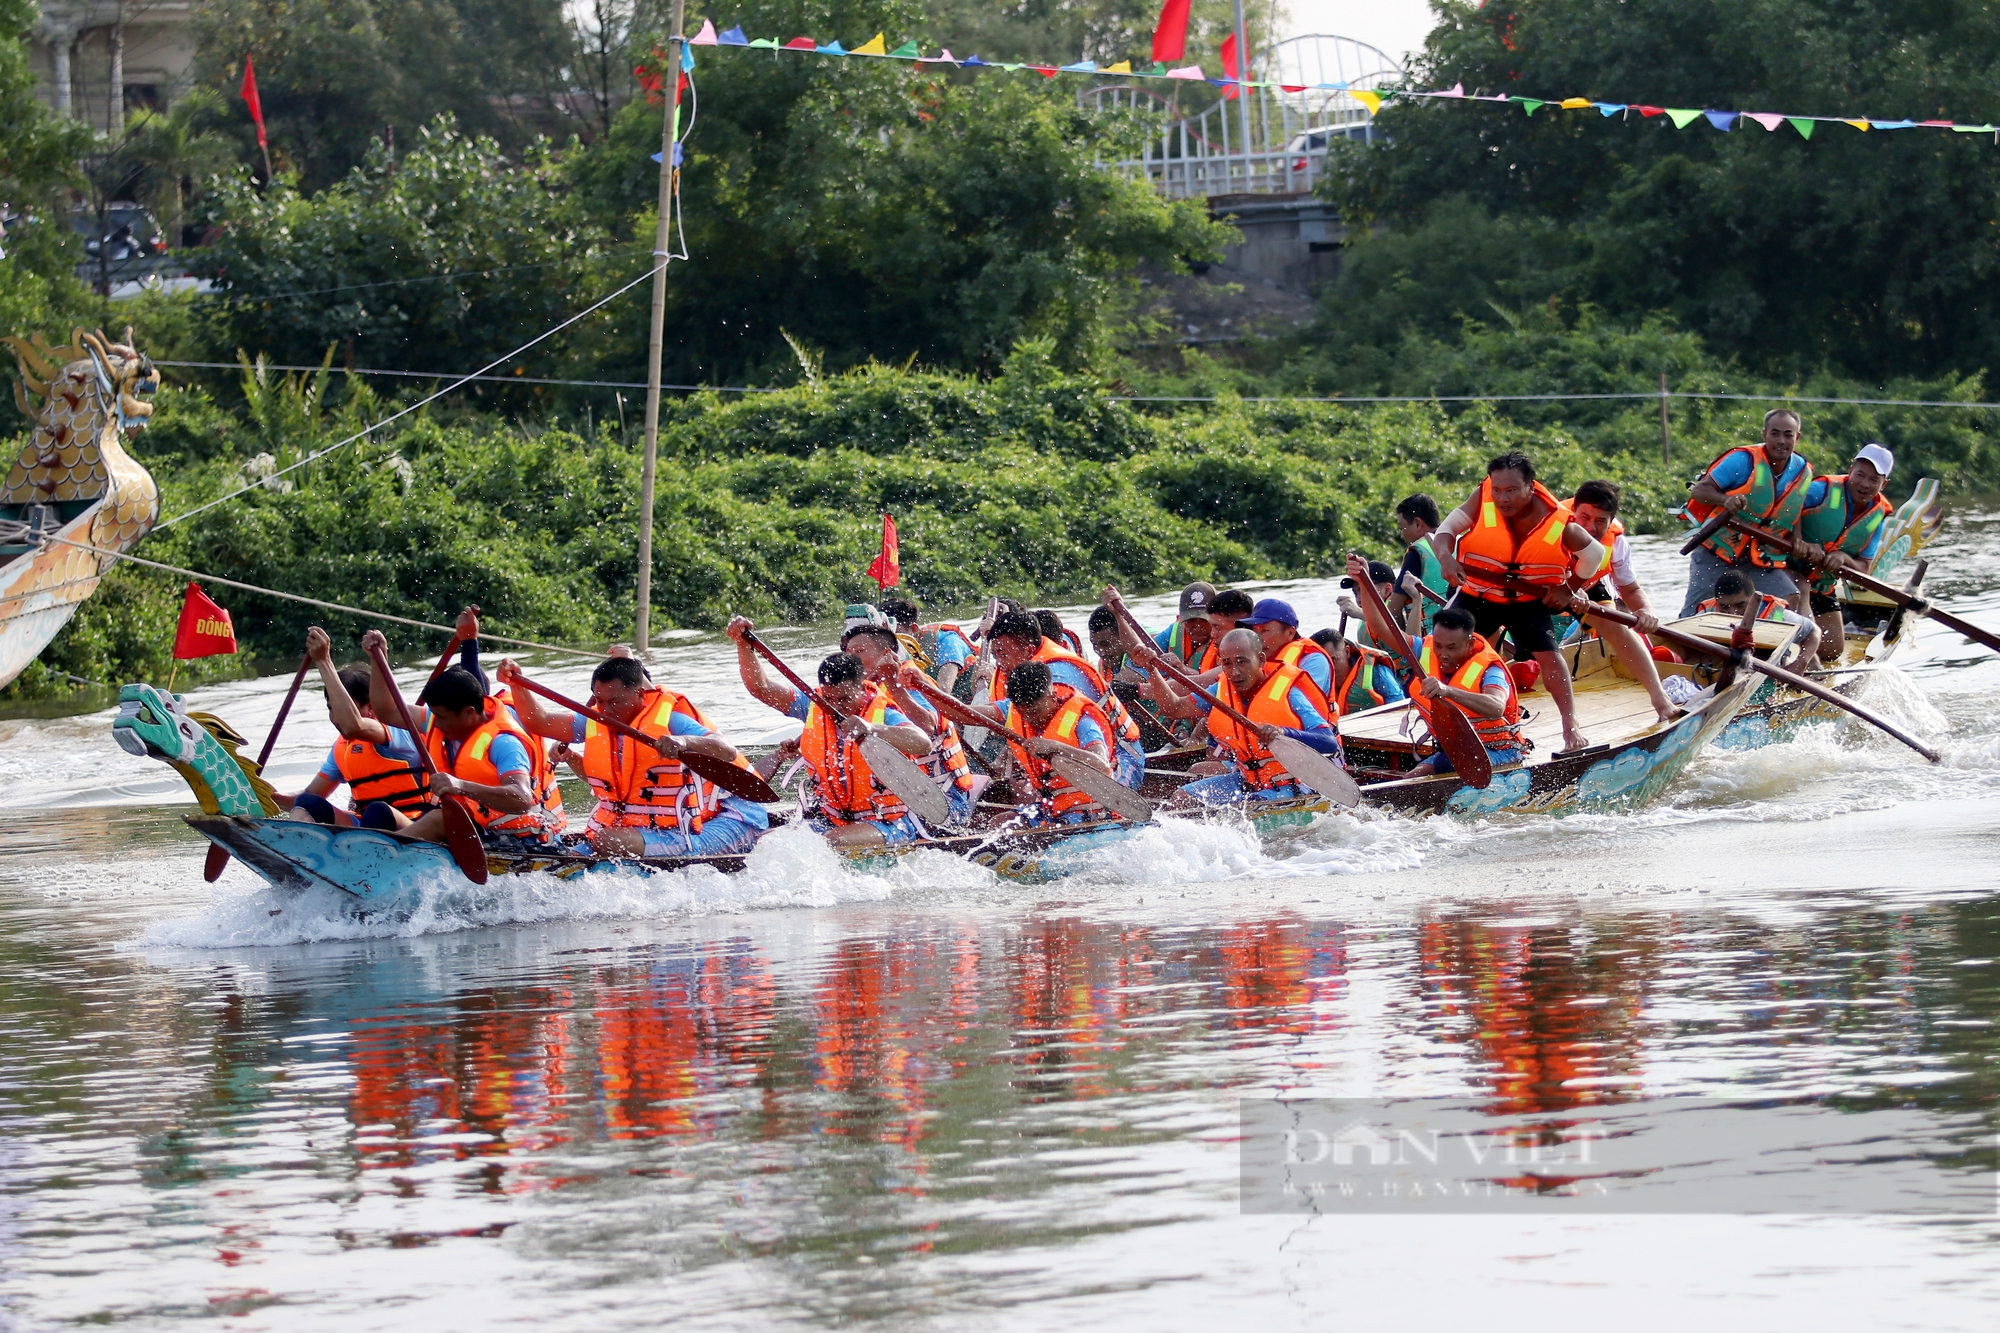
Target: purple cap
x=1271, y=609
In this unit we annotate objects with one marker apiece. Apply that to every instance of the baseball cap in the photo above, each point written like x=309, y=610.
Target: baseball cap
x=1380, y=573
x=1195, y=599
x=1879, y=456
x=1270, y=609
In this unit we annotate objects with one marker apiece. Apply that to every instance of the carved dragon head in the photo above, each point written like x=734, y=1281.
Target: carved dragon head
x=153, y=725
x=123, y=377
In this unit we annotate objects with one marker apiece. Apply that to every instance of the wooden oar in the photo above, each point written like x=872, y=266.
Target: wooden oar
x=1449, y=725
x=1715, y=523
x=1583, y=606
x=460, y=833
x=1921, y=606
x=896, y=770
x=1094, y=782
x=218, y=856
x=736, y=781
x=1314, y=770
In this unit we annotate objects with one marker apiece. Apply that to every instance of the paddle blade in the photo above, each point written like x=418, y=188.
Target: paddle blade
x=1317, y=771
x=736, y=781
x=1461, y=744
x=1102, y=788
x=910, y=783
x=462, y=836
x=218, y=861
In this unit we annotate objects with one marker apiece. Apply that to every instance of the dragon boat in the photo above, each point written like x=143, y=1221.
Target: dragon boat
x=73, y=491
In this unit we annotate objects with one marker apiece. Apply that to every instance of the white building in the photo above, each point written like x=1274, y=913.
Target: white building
x=95, y=60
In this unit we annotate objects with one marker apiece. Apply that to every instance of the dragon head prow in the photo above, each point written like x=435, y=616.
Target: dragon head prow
x=154, y=724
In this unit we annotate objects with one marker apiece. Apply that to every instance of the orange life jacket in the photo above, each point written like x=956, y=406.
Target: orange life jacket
x=1612, y=532
x=374, y=776
x=1489, y=555
x=1294, y=654
x=1270, y=704
x=548, y=790
x=1361, y=657
x=1495, y=733
x=635, y=785
x=475, y=764
x=848, y=788
x=1768, y=607
x=1123, y=728
x=946, y=763
x=1073, y=705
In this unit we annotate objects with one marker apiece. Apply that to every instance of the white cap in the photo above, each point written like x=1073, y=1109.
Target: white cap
x=1878, y=456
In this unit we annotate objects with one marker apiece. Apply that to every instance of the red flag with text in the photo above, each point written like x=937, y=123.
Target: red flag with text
x=887, y=570
x=1170, y=36
x=256, y=104
x=205, y=629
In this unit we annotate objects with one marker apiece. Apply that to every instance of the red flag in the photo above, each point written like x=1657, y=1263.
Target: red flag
x=205, y=629
x=1229, y=65
x=256, y=110
x=887, y=571
x=1170, y=37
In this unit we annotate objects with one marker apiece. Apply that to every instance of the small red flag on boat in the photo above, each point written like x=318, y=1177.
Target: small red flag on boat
x=887, y=570
x=256, y=104
x=205, y=629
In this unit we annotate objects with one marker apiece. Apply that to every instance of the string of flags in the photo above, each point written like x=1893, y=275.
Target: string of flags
x=876, y=47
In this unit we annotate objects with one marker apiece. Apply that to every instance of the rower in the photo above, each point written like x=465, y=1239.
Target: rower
x=1229, y=610
x=1384, y=579
x=1595, y=509
x=1054, y=631
x=1275, y=623
x=1513, y=531
x=1460, y=666
x=480, y=752
x=1017, y=638
x=1108, y=642
x=1416, y=520
x=1732, y=598
x=1189, y=637
x=1367, y=675
x=877, y=649
x=378, y=762
x=854, y=808
x=648, y=803
x=1765, y=483
x=1277, y=697
x=940, y=650
x=1053, y=718
x=1843, y=520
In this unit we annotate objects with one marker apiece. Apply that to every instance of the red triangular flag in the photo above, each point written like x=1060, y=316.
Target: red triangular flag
x=205, y=629
x=256, y=109
x=1170, y=35
x=887, y=571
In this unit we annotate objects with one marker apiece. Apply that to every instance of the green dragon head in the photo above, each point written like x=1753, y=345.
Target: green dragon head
x=201, y=746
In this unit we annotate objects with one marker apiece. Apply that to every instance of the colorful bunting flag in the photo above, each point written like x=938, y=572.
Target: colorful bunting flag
x=768, y=43
x=1802, y=125
x=1768, y=119
x=1608, y=108
x=872, y=47
x=832, y=48
x=1650, y=111
x=734, y=37
x=1188, y=72
x=1528, y=104
x=1681, y=116
x=1371, y=100
x=1228, y=54
x=1722, y=120
x=907, y=51
x=1456, y=90
x=706, y=37
x=1574, y=103
x=1861, y=125
x=1122, y=67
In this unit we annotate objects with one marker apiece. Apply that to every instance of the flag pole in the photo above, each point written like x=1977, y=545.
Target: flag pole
x=670, y=131
x=1242, y=91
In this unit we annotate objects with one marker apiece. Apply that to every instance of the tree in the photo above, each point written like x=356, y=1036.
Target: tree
x=175, y=150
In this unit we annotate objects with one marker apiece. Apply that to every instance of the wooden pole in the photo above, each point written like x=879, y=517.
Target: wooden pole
x=1666, y=433
x=670, y=132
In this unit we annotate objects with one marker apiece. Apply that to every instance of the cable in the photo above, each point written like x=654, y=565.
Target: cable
x=1574, y=397
x=495, y=379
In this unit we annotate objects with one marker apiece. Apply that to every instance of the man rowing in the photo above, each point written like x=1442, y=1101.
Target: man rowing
x=1051, y=718
x=1595, y=509
x=1512, y=536
x=1191, y=635
x=940, y=650
x=1733, y=595
x=1278, y=698
x=648, y=803
x=1367, y=676
x=854, y=808
x=1274, y=622
x=378, y=763
x=945, y=764
x=1765, y=483
x=1385, y=581
x=1461, y=667
x=1017, y=637
x=482, y=756
x=1841, y=526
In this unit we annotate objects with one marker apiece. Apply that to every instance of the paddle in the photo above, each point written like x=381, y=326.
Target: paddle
x=460, y=833
x=1984, y=638
x=891, y=765
x=1583, y=606
x=1715, y=523
x=1094, y=782
x=1450, y=727
x=218, y=856
x=736, y=781
x=1316, y=771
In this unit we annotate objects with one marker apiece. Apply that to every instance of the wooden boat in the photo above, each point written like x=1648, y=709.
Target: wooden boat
x=72, y=485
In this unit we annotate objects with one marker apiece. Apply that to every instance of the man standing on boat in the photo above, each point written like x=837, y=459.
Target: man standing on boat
x=855, y=809
x=1511, y=532
x=1595, y=508
x=1842, y=525
x=1764, y=483
x=1416, y=520
x=648, y=803
x=1461, y=667
x=1277, y=697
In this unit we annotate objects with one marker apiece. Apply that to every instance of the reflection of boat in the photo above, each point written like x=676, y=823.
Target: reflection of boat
x=72, y=485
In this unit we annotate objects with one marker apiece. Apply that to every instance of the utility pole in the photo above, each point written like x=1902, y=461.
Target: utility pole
x=1666, y=434
x=1243, y=93
x=670, y=134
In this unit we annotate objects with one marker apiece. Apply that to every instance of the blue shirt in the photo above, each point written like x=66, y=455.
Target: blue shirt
x=1087, y=730
x=1318, y=668
x=947, y=649
x=799, y=704
x=398, y=746
x=1733, y=469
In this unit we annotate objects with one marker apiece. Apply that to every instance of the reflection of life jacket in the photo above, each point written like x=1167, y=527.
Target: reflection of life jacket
x=1072, y=706
x=1495, y=733
x=372, y=775
x=1294, y=654
x=548, y=792
x=1490, y=556
x=1767, y=506
x=635, y=785
x=474, y=763
x=1364, y=663
x=1769, y=608
x=1194, y=659
x=1832, y=527
x=1270, y=703
x=848, y=788
x=1123, y=728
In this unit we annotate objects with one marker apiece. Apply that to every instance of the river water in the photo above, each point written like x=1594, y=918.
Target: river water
x=807, y=1096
